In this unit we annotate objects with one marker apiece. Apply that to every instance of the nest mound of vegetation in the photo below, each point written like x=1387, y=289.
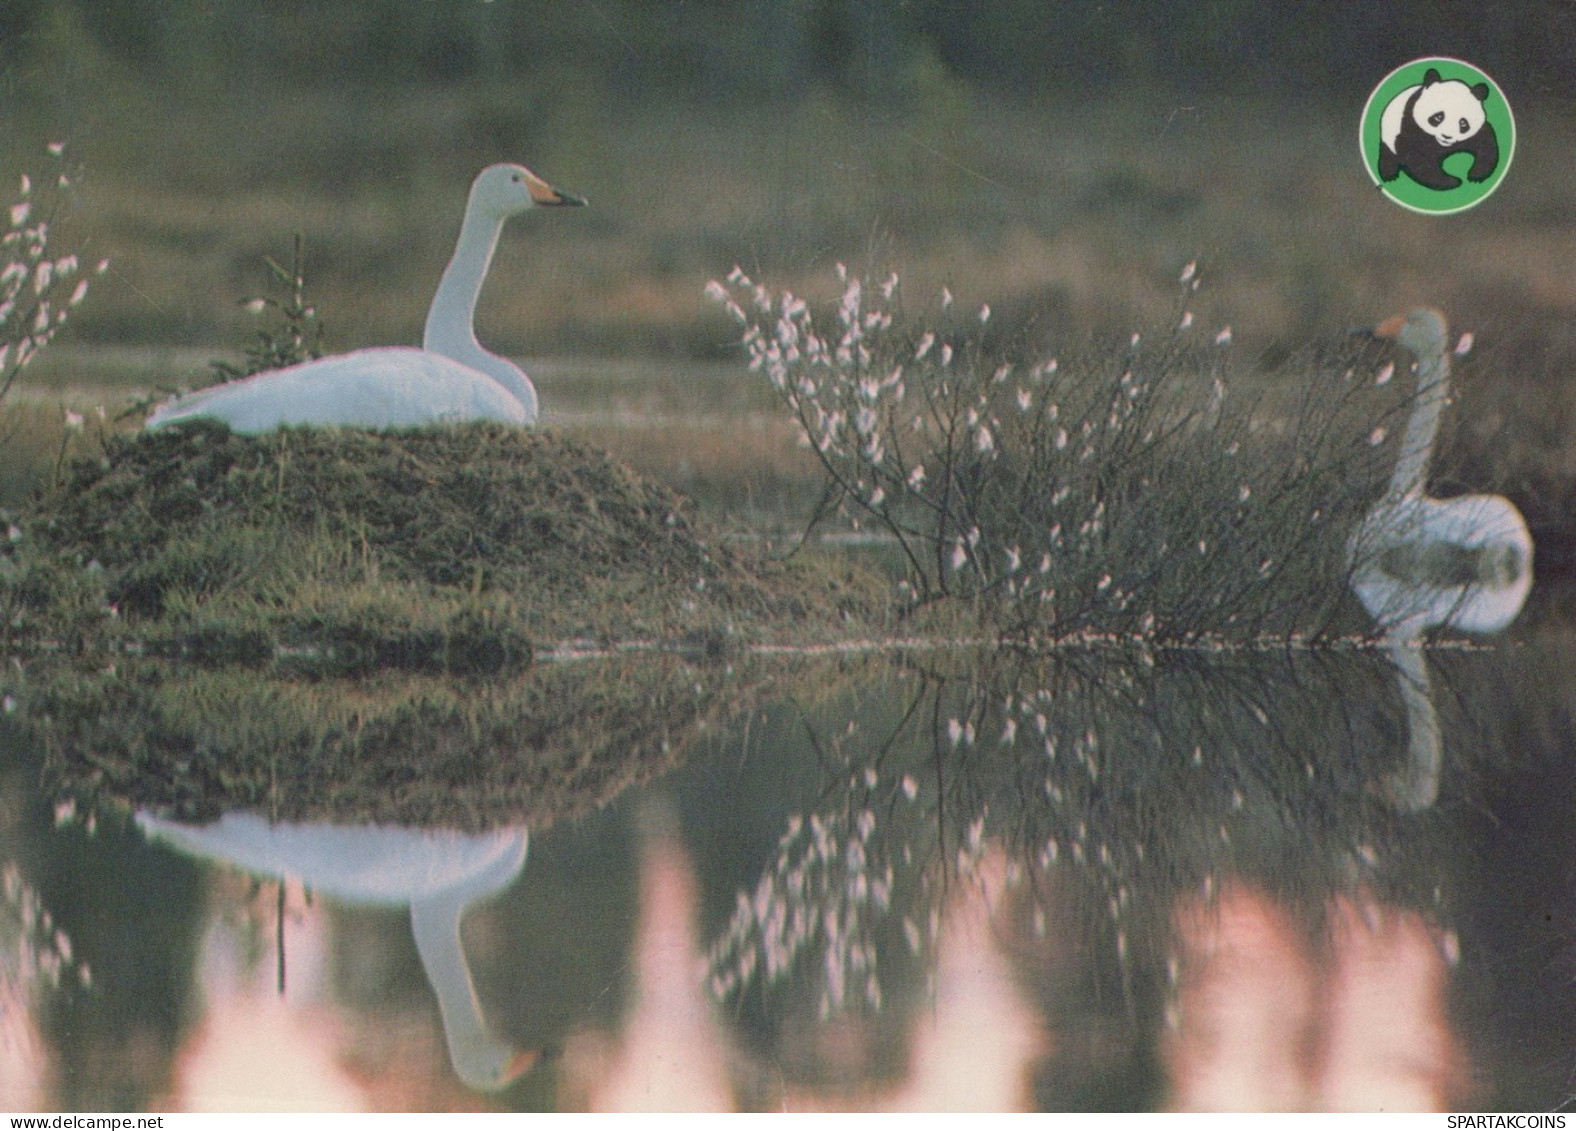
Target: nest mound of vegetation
x=451, y=548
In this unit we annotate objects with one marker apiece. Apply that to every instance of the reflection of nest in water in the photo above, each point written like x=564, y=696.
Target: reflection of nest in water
x=395, y=749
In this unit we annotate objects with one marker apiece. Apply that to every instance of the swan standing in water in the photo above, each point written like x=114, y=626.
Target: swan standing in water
x=440, y=874
x=451, y=378
x=1418, y=562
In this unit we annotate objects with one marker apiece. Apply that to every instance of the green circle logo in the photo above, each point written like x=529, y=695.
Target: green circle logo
x=1437, y=135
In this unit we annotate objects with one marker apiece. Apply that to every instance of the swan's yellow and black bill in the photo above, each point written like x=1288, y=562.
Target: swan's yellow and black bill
x=1390, y=327
x=543, y=193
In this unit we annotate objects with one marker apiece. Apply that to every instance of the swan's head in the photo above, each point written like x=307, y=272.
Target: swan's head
x=1423, y=331
x=491, y=1066
x=501, y=191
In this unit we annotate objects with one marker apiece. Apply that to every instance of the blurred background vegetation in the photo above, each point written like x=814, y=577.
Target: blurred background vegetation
x=782, y=132
x=1061, y=161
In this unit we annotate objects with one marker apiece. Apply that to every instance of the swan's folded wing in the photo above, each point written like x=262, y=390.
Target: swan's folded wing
x=372, y=388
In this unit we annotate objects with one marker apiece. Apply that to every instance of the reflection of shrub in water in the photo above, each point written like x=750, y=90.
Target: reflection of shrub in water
x=1119, y=784
x=823, y=895
x=1131, y=493
x=34, y=950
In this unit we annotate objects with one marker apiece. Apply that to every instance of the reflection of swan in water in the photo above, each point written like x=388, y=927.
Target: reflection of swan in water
x=450, y=378
x=1415, y=785
x=438, y=873
x=1418, y=562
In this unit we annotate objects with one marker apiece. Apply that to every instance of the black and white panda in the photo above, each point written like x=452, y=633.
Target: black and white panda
x=1423, y=125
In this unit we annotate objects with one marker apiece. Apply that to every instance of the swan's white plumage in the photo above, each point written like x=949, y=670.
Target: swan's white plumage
x=391, y=387
x=451, y=378
x=1464, y=562
x=372, y=864
x=440, y=874
x=1419, y=562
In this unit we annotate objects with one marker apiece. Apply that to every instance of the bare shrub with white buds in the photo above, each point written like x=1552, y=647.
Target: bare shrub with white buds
x=37, y=291
x=1127, y=495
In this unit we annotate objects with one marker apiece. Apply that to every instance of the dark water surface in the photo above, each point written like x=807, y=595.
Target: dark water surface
x=932, y=877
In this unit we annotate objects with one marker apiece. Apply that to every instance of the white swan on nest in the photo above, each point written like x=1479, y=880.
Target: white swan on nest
x=451, y=378
x=438, y=873
x=1419, y=562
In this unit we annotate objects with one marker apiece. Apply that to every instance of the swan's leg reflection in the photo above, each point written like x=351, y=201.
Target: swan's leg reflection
x=1416, y=785
x=1259, y=1025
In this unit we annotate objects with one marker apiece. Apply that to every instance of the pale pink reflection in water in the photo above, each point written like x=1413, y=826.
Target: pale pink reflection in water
x=672, y=1055
x=1388, y=1043
x=1263, y=1021
x=256, y=1049
x=973, y=1051
x=976, y=1050
x=24, y=1063
x=1264, y=1018
x=253, y=1048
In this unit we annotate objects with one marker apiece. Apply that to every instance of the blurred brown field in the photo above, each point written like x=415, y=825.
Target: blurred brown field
x=1070, y=216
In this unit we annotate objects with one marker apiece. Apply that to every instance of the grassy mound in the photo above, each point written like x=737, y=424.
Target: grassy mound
x=455, y=549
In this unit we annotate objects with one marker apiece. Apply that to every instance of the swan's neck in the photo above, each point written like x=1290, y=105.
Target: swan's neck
x=478, y=1057
x=451, y=321
x=1417, y=446
x=1415, y=786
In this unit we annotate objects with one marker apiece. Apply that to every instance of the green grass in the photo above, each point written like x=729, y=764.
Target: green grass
x=446, y=549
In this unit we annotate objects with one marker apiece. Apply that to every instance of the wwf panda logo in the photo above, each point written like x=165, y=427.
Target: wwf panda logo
x=1437, y=135
x=1424, y=124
